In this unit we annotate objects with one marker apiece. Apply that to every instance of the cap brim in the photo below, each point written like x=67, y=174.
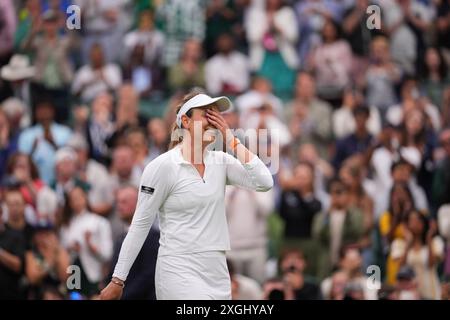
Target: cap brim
x=223, y=103
x=203, y=100
x=9, y=74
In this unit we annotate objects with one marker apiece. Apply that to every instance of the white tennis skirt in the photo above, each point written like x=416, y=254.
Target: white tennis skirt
x=193, y=276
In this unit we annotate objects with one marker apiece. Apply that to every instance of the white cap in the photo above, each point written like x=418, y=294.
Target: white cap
x=201, y=100
x=18, y=68
x=65, y=153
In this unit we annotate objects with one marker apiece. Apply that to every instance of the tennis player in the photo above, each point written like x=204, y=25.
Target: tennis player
x=186, y=186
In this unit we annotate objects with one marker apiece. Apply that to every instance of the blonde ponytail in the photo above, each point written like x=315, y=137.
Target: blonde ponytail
x=176, y=138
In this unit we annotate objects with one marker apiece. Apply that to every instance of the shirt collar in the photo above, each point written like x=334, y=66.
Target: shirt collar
x=177, y=156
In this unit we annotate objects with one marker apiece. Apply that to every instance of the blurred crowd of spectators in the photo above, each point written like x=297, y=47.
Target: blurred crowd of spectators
x=361, y=206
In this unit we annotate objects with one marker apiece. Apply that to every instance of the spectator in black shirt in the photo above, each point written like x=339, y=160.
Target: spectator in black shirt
x=354, y=27
x=359, y=36
x=46, y=264
x=357, y=142
x=14, y=215
x=12, y=247
x=298, y=208
x=297, y=285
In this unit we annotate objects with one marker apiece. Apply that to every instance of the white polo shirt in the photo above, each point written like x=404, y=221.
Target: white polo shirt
x=100, y=229
x=191, y=209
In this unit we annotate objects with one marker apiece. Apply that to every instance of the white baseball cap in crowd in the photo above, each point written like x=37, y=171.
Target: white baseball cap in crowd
x=201, y=100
